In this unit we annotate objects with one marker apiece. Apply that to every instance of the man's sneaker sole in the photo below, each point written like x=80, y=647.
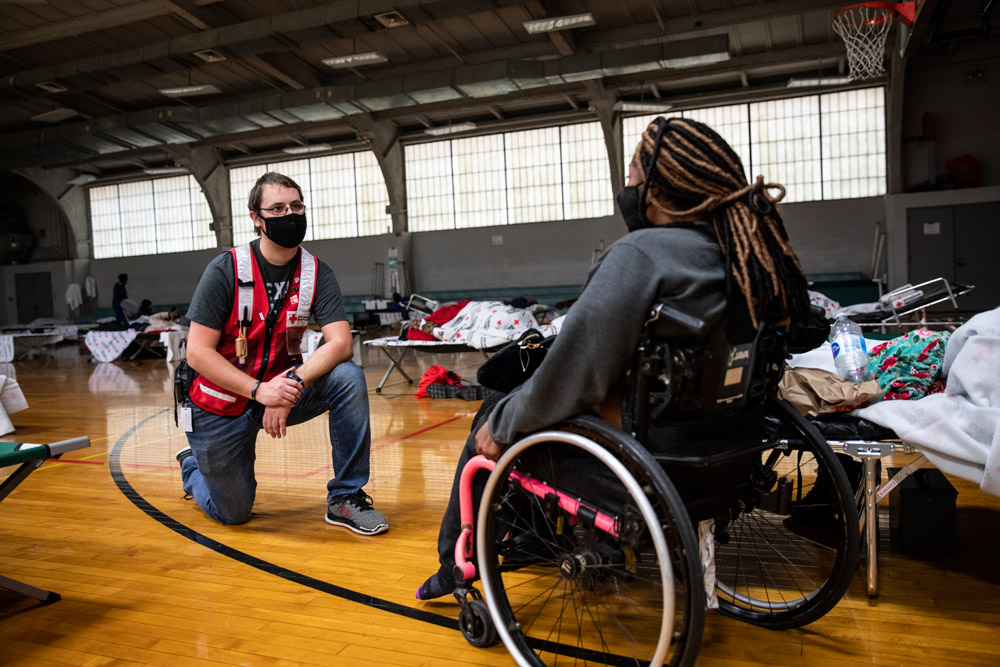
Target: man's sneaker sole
x=378, y=530
x=183, y=454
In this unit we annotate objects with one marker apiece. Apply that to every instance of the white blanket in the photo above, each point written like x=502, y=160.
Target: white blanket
x=486, y=324
x=957, y=430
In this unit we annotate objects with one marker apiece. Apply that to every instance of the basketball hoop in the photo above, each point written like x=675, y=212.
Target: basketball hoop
x=864, y=29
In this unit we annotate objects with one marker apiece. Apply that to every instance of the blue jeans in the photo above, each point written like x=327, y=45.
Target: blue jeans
x=220, y=474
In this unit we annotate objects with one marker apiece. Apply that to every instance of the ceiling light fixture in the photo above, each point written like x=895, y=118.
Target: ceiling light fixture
x=819, y=81
x=210, y=55
x=622, y=105
x=311, y=148
x=52, y=87
x=392, y=19
x=82, y=179
x=54, y=115
x=559, y=23
x=188, y=91
x=355, y=60
x=450, y=129
x=164, y=171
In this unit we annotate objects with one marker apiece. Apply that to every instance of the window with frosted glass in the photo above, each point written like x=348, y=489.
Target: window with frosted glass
x=345, y=196
x=105, y=222
x=586, y=176
x=534, y=175
x=827, y=146
x=516, y=177
x=480, y=185
x=853, y=143
x=150, y=217
x=430, y=189
x=785, y=146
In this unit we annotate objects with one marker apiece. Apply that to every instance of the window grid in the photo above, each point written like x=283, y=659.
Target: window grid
x=149, y=217
x=479, y=181
x=853, y=145
x=534, y=190
x=345, y=195
x=586, y=176
x=510, y=178
x=829, y=146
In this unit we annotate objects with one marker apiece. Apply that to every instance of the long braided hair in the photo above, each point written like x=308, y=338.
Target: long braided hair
x=688, y=165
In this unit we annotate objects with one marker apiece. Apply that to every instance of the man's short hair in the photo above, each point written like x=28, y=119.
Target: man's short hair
x=122, y=277
x=270, y=178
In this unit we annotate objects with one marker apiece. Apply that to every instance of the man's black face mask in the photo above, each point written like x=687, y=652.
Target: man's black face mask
x=628, y=204
x=286, y=230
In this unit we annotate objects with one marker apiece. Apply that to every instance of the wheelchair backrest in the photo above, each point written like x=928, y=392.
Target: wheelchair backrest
x=686, y=370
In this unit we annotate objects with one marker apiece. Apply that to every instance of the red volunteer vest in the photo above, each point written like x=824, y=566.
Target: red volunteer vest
x=267, y=354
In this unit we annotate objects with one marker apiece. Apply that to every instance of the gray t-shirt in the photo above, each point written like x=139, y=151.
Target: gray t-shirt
x=213, y=298
x=682, y=265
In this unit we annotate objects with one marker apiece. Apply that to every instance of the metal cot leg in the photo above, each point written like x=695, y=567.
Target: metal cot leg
x=394, y=363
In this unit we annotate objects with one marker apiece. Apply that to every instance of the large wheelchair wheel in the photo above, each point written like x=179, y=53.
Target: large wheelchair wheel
x=786, y=553
x=560, y=586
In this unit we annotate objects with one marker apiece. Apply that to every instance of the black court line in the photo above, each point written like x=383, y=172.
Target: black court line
x=114, y=463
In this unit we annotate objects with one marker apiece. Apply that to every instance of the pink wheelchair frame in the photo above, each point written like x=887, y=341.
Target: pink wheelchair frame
x=465, y=546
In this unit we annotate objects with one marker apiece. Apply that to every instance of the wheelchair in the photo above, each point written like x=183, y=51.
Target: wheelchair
x=604, y=545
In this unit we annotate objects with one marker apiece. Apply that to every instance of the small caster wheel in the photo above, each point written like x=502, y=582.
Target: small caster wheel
x=476, y=625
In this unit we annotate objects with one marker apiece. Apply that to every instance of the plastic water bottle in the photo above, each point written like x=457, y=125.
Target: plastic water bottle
x=850, y=355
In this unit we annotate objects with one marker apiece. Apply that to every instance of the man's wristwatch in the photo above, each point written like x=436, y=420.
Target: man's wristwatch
x=294, y=376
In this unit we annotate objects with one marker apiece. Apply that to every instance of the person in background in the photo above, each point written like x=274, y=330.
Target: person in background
x=119, y=295
x=248, y=315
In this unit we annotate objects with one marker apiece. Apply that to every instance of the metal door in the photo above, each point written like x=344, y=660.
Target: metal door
x=34, y=296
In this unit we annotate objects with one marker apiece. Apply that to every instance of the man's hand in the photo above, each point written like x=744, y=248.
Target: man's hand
x=274, y=420
x=279, y=391
x=486, y=445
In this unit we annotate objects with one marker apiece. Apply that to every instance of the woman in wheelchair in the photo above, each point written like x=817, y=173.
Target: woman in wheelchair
x=710, y=252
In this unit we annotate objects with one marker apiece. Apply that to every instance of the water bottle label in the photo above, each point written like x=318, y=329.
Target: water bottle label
x=836, y=349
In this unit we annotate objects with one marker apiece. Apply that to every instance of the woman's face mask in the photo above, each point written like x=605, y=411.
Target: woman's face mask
x=286, y=230
x=628, y=204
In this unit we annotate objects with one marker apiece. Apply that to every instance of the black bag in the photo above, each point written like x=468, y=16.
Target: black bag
x=515, y=362
x=184, y=377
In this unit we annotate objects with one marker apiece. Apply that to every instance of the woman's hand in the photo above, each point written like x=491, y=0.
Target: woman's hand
x=486, y=445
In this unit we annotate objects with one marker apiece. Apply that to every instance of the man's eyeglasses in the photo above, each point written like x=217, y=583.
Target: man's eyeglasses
x=282, y=209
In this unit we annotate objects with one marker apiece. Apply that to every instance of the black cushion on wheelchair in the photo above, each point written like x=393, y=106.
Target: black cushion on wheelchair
x=846, y=427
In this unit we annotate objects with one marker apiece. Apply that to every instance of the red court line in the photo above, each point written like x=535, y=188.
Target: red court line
x=93, y=463
x=423, y=430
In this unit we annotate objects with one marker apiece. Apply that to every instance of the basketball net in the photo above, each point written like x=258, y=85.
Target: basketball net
x=864, y=29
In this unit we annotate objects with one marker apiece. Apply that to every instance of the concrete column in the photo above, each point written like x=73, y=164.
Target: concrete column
x=205, y=164
x=602, y=103
x=894, y=122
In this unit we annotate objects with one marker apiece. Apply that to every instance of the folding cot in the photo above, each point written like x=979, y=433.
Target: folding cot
x=31, y=457
x=402, y=347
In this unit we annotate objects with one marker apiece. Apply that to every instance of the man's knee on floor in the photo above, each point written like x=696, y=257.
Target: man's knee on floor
x=233, y=516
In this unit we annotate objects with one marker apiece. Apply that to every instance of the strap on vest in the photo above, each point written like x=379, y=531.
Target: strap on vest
x=244, y=284
x=307, y=284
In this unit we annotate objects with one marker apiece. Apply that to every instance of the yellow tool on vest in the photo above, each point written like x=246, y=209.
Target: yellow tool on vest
x=241, y=340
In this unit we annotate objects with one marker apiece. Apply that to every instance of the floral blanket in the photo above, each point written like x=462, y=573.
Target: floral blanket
x=909, y=367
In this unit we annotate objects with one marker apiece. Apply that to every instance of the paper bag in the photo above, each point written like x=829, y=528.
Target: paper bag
x=814, y=392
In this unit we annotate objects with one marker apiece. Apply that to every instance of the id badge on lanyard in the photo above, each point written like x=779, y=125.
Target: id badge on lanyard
x=295, y=329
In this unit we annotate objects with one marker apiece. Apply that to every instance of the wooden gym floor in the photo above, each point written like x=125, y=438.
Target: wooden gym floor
x=146, y=578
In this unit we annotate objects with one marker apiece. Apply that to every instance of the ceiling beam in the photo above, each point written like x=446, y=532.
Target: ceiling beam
x=253, y=37
x=687, y=26
x=88, y=23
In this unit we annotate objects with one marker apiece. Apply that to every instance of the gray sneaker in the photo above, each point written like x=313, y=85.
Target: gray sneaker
x=355, y=512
